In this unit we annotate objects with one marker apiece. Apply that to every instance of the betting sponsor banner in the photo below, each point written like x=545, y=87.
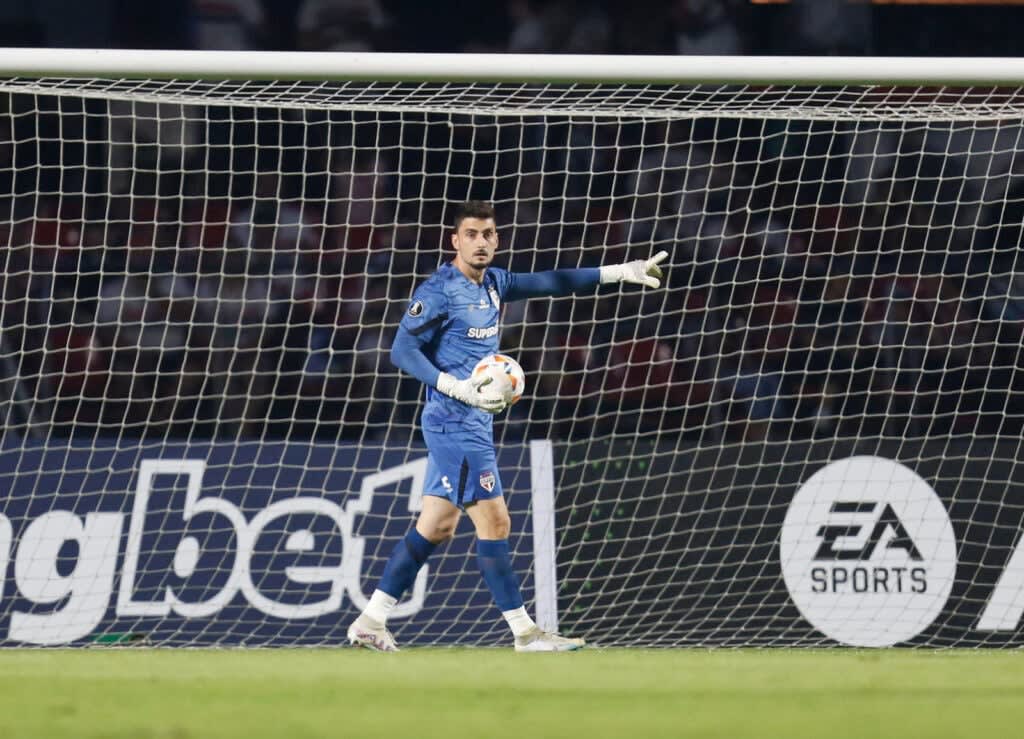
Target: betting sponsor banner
x=244, y=543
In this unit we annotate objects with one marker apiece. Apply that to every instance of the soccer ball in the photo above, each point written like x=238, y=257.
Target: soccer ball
x=507, y=378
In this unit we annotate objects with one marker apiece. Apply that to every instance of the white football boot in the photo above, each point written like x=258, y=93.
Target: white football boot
x=538, y=640
x=365, y=632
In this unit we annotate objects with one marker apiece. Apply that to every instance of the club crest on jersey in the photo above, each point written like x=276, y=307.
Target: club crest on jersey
x=416, y=309
x=494, y=297
x=487, y=481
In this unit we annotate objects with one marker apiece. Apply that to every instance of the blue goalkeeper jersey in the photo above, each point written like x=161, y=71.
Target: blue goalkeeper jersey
x=452, y=323
x=455, y=322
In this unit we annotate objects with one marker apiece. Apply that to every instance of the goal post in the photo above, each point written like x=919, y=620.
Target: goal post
x=634, y=69
x=810, y=436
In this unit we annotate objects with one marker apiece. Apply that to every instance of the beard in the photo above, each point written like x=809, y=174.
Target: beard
x=479, y=260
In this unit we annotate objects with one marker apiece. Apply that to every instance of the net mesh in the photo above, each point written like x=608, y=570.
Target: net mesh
x=205, y=277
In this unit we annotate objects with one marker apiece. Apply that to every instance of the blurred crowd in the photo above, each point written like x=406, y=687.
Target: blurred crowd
x=208, y=271
x=808, y=295
x=551, y=26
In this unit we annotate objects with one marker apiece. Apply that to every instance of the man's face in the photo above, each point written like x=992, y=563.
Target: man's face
x=475, y=242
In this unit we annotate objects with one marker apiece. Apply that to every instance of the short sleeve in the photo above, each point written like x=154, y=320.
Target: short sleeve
x=426, y=313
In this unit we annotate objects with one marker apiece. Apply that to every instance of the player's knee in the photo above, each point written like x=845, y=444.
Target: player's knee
x=440, y=532
x=501, y=526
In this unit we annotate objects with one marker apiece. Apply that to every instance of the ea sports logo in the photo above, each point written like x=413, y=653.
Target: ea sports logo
x=867, y=552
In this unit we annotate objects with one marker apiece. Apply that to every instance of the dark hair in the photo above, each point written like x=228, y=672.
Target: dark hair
x=472, y=209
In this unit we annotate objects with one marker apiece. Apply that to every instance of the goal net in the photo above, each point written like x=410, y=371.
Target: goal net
x=810, y=436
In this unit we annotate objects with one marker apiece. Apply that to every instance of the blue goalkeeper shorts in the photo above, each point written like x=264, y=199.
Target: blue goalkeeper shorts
x=461, y=466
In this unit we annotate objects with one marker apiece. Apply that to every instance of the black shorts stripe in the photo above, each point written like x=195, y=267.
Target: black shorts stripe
x=432, y=323
x=463, y=479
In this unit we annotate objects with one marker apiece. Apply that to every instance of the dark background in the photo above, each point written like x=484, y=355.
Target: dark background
x=608, y=26
x=245, y=277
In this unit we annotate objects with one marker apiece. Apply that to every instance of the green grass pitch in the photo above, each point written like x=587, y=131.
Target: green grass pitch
x=491, y=694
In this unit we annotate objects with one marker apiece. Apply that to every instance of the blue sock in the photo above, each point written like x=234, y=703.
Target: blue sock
x=405, y=562
x=495, y=562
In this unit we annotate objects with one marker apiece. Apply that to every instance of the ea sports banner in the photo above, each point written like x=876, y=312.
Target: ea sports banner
x=867, y=551
x=247, y=544
x=875, y=542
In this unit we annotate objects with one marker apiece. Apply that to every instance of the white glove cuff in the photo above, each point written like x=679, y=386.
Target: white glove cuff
x=446, y=383
x=611, y=273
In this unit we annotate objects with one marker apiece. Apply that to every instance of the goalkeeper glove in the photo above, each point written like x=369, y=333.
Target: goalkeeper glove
x=468, y=391
x=641, y=272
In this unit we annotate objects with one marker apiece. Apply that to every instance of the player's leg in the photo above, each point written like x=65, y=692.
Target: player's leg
x=492, y=521
x=436, y=523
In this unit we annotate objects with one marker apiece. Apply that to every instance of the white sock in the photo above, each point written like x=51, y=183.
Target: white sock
x=519, y=621
x=380, y=606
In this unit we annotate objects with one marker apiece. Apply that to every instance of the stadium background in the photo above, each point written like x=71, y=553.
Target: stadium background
x=85, y=238
x=72, y=261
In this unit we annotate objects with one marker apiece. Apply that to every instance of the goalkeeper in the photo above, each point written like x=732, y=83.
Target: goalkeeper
x=450, y=325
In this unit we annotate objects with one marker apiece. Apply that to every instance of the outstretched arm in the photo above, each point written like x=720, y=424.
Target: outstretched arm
x=557, y=282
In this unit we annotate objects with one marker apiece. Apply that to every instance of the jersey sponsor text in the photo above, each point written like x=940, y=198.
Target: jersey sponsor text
x=482, y=333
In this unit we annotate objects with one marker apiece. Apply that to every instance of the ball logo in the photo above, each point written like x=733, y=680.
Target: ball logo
x=867, y=552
